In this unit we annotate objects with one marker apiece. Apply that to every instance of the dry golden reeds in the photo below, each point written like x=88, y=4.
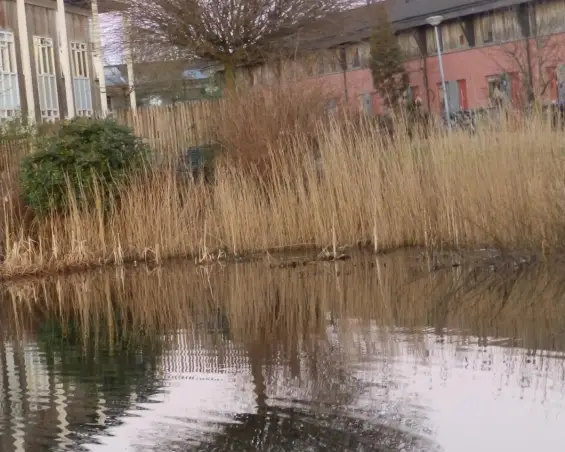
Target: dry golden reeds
x=502, y=187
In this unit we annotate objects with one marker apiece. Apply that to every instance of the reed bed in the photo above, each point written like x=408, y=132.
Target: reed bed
x=502, y=187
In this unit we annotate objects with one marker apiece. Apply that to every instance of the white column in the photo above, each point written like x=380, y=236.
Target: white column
x=97, y=58
x=64, y=57
x=26, y=59
x=129, y=61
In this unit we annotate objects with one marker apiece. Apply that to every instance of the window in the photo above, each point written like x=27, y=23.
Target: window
x=558, y=76
x=409, y=45
x=453, y=36
x=549, y=17
x=9, y=88
x=412, y=95
x=81, y=80
x=342, y=58
x=334, y=60
x=366, y=103
x=499, y=89
x=431, y=39
x=354, y=59
x=506, y=26
x=46, y=78
x=487, y=32
x=332, y=106
x=321, y=69
x=328, y=62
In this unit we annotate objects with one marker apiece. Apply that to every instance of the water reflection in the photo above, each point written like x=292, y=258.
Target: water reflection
x=366, y=355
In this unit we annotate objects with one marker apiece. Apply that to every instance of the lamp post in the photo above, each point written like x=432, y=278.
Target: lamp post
x=435, y=21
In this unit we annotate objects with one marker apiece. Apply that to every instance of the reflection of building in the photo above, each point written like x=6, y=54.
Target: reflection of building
x=44, y=399
x=24, y=386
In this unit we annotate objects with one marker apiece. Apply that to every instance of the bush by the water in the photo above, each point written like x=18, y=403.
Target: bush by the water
x=82, y=155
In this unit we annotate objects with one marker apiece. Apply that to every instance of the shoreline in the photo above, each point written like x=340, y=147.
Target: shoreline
x=295, y=257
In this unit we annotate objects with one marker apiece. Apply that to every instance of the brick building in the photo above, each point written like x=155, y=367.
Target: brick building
x=513, y=47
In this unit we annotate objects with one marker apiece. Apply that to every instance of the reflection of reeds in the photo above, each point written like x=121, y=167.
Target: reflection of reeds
x=284, y=305
x=301, y=333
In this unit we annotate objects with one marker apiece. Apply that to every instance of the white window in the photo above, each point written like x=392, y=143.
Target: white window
x=9, y=87
x=46, y=78
x=81, y=79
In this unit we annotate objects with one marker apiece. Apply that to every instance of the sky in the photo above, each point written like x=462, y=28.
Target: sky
x=112, y=38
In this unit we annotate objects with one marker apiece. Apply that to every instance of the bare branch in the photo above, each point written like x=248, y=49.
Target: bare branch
x=228, y=31
x=532, y=57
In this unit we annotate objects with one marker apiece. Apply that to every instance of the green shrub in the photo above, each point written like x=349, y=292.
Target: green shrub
x=81, y=152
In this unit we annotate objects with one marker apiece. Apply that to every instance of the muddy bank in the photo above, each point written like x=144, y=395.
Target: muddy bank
x=297, y=258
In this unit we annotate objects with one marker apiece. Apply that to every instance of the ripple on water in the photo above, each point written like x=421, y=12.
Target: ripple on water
x=285, y=370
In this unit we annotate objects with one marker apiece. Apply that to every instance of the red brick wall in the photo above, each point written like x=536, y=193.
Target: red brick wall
x=474, y=66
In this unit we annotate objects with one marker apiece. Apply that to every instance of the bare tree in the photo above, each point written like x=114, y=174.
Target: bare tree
x=230, y=32
x=535, y=57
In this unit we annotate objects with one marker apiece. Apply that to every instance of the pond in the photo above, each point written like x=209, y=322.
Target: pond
x=389, y=354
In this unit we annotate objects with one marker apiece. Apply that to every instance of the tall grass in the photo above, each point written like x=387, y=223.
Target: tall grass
x=502, y=187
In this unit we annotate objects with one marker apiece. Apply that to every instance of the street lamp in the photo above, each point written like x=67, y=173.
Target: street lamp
x=435, y=21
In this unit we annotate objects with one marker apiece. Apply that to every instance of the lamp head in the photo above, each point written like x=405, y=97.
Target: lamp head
x=434, y=21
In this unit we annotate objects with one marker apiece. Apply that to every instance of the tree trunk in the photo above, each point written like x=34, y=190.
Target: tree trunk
x=530, y=75
x=229, y=76
x=343, y=65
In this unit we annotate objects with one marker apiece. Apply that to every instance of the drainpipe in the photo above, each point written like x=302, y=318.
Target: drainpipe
x=64, y=57
x=343, y=64
x=345, y=91
x=422, y=44
x=531, y=94
x=427, y=84
x=524, y=21
x=26, y=60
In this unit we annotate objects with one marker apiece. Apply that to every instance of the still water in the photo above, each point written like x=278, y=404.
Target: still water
x=395, y=354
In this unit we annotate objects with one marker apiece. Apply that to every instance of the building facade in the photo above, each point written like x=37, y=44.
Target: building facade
x=47, y=69
x=493, y=51
x=161, y=83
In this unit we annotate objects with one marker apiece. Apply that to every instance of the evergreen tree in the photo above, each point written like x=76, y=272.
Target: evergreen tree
x=390, y=79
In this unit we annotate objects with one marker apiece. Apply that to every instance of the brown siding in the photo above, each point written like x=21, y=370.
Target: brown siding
x=41, y=21
x=2, y=15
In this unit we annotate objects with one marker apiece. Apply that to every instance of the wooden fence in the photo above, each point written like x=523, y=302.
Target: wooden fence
x=172, y=128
